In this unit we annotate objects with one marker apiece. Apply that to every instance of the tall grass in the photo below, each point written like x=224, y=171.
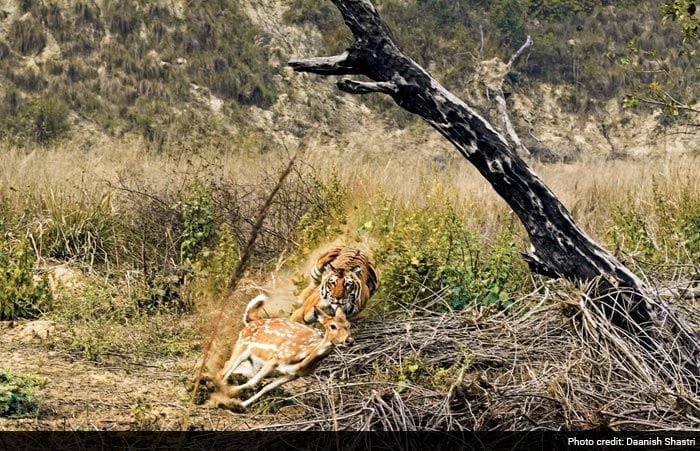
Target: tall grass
x=144, y=225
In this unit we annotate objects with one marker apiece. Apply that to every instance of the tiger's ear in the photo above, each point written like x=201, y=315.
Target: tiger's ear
x=328, y=267
x=357, y=270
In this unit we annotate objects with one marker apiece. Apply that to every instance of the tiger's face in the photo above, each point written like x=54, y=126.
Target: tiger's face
x=340, y=288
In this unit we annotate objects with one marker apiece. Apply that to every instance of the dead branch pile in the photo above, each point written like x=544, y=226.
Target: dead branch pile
x=558, y=366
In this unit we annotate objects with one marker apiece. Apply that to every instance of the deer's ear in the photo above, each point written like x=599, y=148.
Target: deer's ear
x=357, y=270
x=328, y=267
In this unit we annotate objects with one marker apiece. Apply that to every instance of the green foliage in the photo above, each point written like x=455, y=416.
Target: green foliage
x=416, y=369
x=323, y=220
x=691, y=234
x=17, y=395
x=658, y=234
x=213, y=270
x=686, y=14
x=22, y=294
x=630, y=233
x=102, y=318
x=49, y=120
x=508, y=16
x=38, y=119
x=428, y=259
x=197, y=216
x=670, y=88
x=561, y=9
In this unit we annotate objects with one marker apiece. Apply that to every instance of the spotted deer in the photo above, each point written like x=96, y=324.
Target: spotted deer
x=279, y=346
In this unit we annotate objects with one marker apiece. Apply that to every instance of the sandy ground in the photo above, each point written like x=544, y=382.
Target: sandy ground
x=121, y=394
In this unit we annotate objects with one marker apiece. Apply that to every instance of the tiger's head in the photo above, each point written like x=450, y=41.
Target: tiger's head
x=340, y=288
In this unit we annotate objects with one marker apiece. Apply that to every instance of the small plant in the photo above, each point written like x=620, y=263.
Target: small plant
x=213, y=270
x=197, y=215
x=664, y=231
x=324, y=218
x=691, y=233
x=102, y=318
x=48, y=120
x=22, y=294
x=144, y=416
x=17, y=395
x=415, y=369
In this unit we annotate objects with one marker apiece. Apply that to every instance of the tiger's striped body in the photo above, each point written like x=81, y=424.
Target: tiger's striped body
x=342, y=277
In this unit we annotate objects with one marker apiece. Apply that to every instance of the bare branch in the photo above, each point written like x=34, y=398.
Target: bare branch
x=326, y=65
x=516, y=55
x=365, y=87
x=674, y=103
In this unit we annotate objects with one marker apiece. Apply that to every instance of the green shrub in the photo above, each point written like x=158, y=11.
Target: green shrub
x=197, y=216
x=326, y=215
x=102, y=317
x=27, y=36
x=662, y=232
x=17, y=395
x=416, y=369
x=22, y=295
x=429, y=260
x=214, y=268
x=41, y=120
x=509, y=16
x=49, y=119
x=691, y=234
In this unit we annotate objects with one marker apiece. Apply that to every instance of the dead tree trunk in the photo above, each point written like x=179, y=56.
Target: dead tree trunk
x=559, y=248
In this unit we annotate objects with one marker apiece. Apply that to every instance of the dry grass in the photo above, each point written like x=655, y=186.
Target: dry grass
x=560, y=366
x=584, y=186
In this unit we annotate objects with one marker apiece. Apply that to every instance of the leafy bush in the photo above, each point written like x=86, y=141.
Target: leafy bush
x=40, y=119
x=691, y=233
x=663, y=231
x=48, y=120
x=326, y=214
x=103, y=317
x=22, y=295
x=197, y=216
x=428, y=259
x=17, y=395
x=508, y=16
x=213, y=270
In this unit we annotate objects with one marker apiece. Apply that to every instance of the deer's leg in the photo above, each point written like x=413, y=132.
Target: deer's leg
x=237, y=357
x=264, y=371
x=271, y=386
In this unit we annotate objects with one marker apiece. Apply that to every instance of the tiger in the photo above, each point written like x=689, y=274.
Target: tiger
x=342, y=277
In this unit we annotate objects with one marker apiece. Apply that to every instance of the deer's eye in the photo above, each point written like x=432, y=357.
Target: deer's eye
x=334, y=327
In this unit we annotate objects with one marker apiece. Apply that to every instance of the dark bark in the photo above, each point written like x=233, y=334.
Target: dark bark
x=559, y=247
